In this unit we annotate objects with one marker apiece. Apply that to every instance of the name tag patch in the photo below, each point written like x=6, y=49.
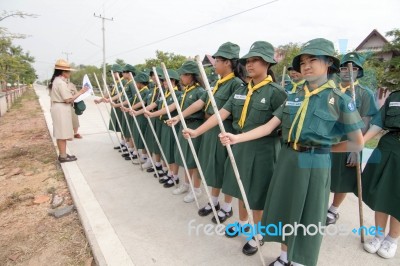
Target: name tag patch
x=240, y=97
x=397, y=104
x=290, y=103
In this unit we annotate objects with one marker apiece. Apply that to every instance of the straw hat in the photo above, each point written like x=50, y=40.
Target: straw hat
x=61, y=64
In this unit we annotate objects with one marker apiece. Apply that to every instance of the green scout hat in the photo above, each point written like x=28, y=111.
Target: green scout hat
x=158, y=70
x=79, y=107
x=189, y=67
x=116, y=68
x=129, y=68
x=354, y=58
x=228, y=50
x=290, y=68
x=142, y=77
x=262, y=49
x=171, y=73
x=317, y=47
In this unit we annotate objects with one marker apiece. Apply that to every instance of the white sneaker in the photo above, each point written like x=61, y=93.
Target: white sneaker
x=190, y=196
x=147, y=164
x=181, y=189
x=373, y=245
x=387, y=249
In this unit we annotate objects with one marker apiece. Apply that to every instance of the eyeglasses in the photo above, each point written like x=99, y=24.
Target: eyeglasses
x=346, y=69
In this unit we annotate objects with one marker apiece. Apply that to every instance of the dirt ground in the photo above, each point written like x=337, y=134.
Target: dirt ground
x=30, y=177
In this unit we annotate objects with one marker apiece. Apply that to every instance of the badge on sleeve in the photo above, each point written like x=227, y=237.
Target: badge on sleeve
x=351, y=106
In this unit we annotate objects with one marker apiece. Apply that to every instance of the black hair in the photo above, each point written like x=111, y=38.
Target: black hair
x=57, y=72
x=238, y=69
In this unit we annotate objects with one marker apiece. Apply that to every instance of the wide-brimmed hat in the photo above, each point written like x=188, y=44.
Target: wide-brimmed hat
x=189, y=67
x=318, y=47
x=158, y=70
x=142, y=77
x=62, y=64
x=171, y=73
x=228, y=50
x=116, y=68
x=262, y=49
x=129, y=68
x=357, y=61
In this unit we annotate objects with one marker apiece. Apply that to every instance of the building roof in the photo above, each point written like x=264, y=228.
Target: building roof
x=208, y=60
x=374, y=41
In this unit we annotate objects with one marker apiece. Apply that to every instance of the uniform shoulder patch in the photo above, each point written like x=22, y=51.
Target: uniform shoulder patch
x=351, y=106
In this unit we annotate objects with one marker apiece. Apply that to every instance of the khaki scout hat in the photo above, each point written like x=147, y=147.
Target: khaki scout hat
x=62, y=64
x=354, y=58
x=262, y=49
x=142, y=77
x=189, y=67
x=317, y=47
x=228, y=50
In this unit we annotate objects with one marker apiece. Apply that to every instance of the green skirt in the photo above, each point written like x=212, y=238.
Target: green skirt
x=344, y=179
x=142, y=121
x=213, y=155
x=381, y=179
x=256, y=161
x=298, y=193
x=187, y=152
x=168, y=142
x=126, y=124
x=113, y=119
x=158, y=128
x=149, y=136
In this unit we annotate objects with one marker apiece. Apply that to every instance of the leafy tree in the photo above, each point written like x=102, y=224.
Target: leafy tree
x=170, y=60
x=391, y=77
x=285, y=53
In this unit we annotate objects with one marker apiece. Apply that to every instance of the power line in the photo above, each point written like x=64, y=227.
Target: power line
x=193, y=29
x=67, y=54
x=103, y=19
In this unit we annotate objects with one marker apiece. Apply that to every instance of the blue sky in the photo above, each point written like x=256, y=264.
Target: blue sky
x=69, y=26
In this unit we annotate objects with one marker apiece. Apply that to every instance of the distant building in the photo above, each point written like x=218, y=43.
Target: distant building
x=208, y=61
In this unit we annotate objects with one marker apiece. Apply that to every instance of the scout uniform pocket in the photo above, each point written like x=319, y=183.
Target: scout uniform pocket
x=322, y=123
x=259, y=113
x=392, y=119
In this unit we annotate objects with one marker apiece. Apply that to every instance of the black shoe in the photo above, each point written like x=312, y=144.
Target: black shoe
x=117, y=147
x=164, y=179
x=332, y=220
x=281, y=262
x=205, y=211
x=222, y=218
x=71, y=156
x=128, y=158
x=233, y=232
x=170, y=183
x=249, y=249
x=151, y=169
x=66, y=159
x=124, y=149
x=161, y=173
x=125, y=154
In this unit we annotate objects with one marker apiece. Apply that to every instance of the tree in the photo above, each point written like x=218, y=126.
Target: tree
x=5, y=14
x=285, y=54
x=170, y=60
x=391, y=77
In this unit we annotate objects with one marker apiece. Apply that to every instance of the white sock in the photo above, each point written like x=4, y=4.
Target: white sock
x=381, y=237
x=158, y=164
x=296, y=264
x=334, y=209
x=243, y=222
x=130, y=149
x=283, y=257
x=253, y=243
x=214, y=201
x=197, y=189
x=176, y=177
x=227, y=207
x=123, y=142
x=391, y=239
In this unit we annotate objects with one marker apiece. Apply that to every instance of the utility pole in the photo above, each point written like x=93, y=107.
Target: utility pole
x=67, y=53
x=103, y=18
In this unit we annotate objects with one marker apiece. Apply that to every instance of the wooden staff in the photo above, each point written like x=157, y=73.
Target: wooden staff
x=196, y=159
x=230, y=153
x=105, y=124
x=175, y=135
x=152, y=130
x=283, y=77
x=126, y=118
x=358, y=167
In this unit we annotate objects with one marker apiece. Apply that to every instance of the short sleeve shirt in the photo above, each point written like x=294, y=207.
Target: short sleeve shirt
x=388, y=116
x=191, y=97
x=60, y=90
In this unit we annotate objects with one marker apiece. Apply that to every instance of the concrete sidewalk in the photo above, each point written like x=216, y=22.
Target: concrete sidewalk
x=130, y=219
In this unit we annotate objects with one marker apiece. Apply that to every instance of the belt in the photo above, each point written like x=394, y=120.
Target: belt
x=397, y=133
x=192, y=120
x=58, y=102
x=309, y=149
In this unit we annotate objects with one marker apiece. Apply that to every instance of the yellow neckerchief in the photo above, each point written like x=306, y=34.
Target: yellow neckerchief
x=154, y=95
x=166, y=97
x=142, y=89
x=251, y=89
x=295, y=84
x=186, y=91
x=343, y=89
x=303, y=109
x=219, y=82
x=113, y=91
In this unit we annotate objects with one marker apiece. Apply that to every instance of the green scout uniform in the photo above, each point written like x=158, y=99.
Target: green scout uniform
x=168, y=142
x=148, y=135
x=118, y=112
x=255, y=159
x=193, y=121
x=141, y=120
x=380, y=178
x=299, y=189
x=213, y=155
x=127, y=120
x=344, y=179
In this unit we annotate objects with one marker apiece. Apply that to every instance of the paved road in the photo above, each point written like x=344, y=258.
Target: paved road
x=131, y=220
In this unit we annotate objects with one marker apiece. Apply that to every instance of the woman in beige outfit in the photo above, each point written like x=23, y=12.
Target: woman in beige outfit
x=61, y=100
